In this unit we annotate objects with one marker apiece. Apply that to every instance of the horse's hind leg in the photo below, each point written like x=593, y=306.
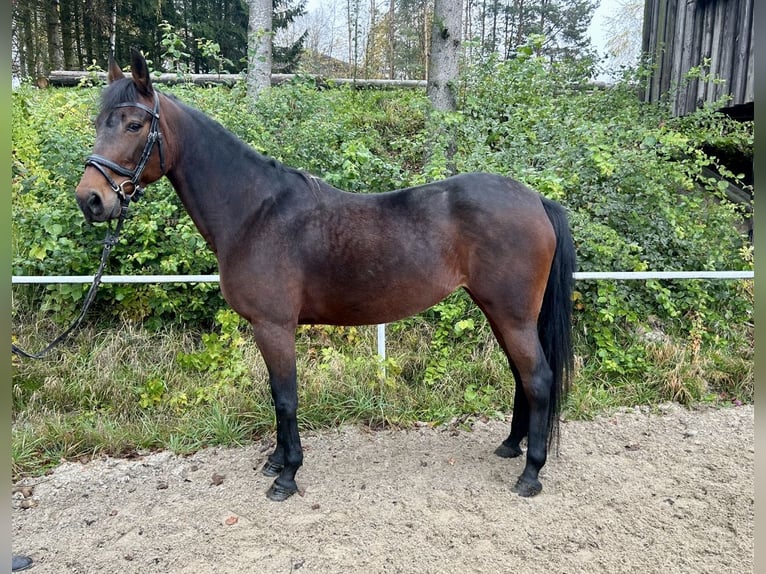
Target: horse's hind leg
x=511, y=447
x=526, y=354
x=277, y=345
x=534, y=378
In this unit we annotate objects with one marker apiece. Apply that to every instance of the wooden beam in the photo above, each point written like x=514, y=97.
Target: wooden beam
x=73, y=78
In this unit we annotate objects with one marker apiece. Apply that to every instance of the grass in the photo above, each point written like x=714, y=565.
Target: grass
x=118, y=390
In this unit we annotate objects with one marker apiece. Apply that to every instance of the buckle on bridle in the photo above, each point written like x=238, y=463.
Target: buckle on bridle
x=134, y=195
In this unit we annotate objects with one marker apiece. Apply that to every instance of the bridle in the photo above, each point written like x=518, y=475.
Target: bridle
x=154, y=136
x=100, y=163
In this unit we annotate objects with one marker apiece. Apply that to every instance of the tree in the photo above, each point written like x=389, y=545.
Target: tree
x=353, y=17
x=445, y=54
x=259, y=34
x=623, y=30
x=72, y=34
x=501, y=26
x=441, y=87
x=285, y=59
x=55, y=53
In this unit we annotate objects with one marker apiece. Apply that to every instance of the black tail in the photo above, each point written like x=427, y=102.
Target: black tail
x=554, y=325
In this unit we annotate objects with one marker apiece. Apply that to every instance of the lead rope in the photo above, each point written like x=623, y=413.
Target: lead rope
x=110, y=240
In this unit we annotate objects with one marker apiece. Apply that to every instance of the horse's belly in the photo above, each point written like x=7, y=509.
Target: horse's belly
x=365, y=303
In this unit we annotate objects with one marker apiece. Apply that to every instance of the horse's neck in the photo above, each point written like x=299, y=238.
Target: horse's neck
x=216, y=177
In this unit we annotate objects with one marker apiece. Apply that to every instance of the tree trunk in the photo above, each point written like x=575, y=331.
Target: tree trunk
x=441, y=84
x=55, y=54
x=391, y=39
x=259, y=35
x=370, y=52
x=67, y=35
x=27, y=50
x=352, y=12
x=88, y=32
x=113, y=31
x=445, y=52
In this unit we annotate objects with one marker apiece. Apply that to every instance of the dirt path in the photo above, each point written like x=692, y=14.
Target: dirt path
x=634, y=492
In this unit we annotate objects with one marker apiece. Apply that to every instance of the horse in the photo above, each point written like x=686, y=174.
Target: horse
x=291, y=250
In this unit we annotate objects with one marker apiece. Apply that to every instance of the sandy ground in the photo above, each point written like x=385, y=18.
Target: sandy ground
x=665, y=492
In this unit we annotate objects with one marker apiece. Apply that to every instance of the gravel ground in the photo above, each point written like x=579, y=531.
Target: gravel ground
x=669, y=491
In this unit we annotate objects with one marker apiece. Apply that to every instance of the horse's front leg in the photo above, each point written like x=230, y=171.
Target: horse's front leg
x=277, y=345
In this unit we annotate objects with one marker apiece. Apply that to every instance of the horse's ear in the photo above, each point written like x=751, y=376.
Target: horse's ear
x=140, y=72
x=114, y=72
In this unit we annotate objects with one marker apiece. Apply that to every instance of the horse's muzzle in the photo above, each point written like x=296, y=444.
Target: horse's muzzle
x=93, y=208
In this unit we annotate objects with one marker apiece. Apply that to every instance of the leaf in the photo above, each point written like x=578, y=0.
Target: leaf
x=38, y=252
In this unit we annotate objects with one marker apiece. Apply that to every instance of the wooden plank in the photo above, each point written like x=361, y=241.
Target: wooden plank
x=705, y=89
x=661, y=52
x=670, y=39
x=749, y=95
x=649, y=43
x=718, y=39
x=677, y=55
x=743, y=49
x=687, y=58
x=73, y=77
x=692, y=102
x=648, y=26
x=726, y=62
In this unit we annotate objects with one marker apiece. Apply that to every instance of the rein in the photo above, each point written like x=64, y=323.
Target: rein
x=109, y=242
x=111, y=239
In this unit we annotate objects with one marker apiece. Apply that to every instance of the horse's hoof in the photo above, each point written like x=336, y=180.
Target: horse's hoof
x=506, y=451
x=279, y=493
x=526, y=488
x=271, y=469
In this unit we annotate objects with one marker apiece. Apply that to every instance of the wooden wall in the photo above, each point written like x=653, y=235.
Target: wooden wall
x=680, y=34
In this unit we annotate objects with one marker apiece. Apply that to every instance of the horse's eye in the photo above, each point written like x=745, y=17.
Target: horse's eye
x=133, y=127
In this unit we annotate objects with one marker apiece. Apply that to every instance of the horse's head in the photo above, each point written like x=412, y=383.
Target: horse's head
x=128, y=153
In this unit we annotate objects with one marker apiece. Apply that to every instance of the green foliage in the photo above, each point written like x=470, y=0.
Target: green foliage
x=455, y=321
x=221, y=359
x=174, y=49
x=632, y=177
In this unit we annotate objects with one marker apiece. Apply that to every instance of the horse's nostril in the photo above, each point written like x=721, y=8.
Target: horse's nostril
x=95, y=204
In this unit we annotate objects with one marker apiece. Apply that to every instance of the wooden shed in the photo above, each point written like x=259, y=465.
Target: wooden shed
x=680, y=35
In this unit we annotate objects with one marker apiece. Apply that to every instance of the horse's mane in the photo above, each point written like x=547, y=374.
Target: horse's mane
x=124, y=91
x=118, y=92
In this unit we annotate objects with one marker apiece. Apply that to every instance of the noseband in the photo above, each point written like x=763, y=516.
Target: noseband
x=100, y=162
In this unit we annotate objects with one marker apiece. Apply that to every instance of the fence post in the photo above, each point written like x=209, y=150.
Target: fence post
x=382, y=348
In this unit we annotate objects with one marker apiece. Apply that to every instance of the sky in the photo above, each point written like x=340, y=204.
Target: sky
x=597, y=30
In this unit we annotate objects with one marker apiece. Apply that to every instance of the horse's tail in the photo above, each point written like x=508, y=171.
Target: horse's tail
x=554, y=325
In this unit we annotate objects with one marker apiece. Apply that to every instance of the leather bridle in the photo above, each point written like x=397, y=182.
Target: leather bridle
x=100, y=162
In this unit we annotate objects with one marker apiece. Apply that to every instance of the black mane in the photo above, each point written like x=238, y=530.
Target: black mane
x=124, y=91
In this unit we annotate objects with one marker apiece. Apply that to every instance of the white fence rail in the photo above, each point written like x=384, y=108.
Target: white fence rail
x=580, y=275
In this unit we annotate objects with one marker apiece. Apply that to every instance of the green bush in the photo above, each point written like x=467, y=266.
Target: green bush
x=629, y=174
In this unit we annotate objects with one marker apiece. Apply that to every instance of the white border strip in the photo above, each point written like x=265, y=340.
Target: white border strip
x=582, y=275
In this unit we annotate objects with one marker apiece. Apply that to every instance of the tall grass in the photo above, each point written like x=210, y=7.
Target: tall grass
x=120, y=389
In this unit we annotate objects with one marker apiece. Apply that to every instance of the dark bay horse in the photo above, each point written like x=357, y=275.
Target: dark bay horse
x=292, y=249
